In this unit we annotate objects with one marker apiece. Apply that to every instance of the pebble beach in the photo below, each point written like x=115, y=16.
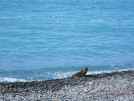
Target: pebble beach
x=114, y=86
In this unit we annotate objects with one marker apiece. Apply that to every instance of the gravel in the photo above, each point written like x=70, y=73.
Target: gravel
x=114, y=86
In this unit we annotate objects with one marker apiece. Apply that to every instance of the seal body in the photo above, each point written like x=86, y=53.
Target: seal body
x=81, y=73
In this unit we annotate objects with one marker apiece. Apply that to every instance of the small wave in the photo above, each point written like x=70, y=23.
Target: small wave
x=59, y=75
x=52, y=75
x=109, y=71
x=8, y=79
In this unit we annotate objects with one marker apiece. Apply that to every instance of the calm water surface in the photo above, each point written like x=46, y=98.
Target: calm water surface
x=42, y=39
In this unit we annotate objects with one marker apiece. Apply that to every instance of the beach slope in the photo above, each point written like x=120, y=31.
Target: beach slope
x=114, y=86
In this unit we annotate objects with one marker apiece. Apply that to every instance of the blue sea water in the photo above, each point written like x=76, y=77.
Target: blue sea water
x=44, y=39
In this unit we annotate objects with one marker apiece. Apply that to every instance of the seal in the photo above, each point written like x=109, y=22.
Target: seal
x=81, y=73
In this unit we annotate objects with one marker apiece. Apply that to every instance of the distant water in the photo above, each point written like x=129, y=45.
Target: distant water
x=42, y=39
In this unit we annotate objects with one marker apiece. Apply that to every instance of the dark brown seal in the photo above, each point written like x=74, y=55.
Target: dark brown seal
x=81, y=73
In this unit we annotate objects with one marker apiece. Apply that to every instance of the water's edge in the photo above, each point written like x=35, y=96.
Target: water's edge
x=27, y=76
x=93, y=75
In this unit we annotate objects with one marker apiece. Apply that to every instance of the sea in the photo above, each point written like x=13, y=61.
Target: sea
x=51, y=39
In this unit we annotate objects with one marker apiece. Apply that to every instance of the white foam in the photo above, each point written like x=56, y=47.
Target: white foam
x=8, y=79
x=109, y=71
x=60, y=75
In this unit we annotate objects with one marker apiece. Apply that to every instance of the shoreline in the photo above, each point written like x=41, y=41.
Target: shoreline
x=59, y=75
x=102, y=86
